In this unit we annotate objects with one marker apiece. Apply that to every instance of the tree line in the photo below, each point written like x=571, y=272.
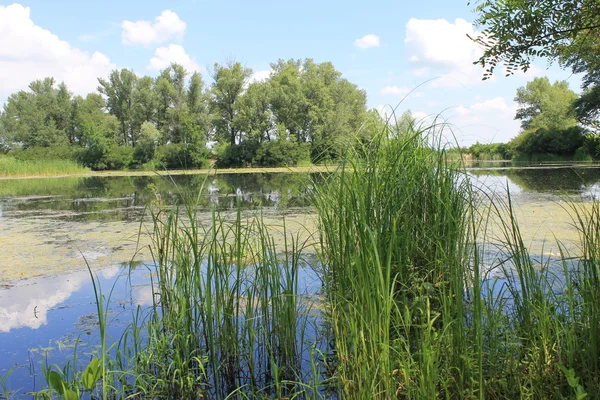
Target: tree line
x=304, y=112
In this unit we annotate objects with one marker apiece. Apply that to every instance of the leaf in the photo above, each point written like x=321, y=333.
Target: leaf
x=56, y=382
x=91, y=374
x=70, y=395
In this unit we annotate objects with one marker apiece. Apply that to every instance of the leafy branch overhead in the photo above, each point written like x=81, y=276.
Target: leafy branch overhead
x=514, y=32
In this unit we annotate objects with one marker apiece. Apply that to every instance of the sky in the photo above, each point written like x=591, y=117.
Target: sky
x=406, y=55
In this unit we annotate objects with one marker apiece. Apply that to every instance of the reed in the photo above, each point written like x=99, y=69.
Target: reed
x=429, y=291
x=11, y=167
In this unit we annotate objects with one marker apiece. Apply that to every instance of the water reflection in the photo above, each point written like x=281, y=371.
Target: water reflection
x=26, y=305
x=574, y=179
x=125, y=198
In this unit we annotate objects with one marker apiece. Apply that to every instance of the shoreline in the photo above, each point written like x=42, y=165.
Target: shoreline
x=210, y=171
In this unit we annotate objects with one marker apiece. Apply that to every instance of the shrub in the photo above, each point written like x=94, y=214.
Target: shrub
x=181, y=156
x=238, y=155
x=282, y=152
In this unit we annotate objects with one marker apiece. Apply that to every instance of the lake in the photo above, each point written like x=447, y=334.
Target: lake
x=52, y=229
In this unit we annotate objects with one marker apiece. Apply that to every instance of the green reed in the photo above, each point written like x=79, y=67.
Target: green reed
x=429, y=292
x=10, y=166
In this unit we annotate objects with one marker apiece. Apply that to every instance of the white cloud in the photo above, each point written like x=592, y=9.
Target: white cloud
x=395, y=90
x=400, y=91
x=441, y=47
x=260, y=76
x=367, y=41
x=174, y=53
x=29, y=52
x=486, y=121
x=167, y=26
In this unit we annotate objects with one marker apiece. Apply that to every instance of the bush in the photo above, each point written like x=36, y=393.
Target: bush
x=119, y=157
x=282, y=153
x=181, y=156
x=491, y=151
x=561, y=142
x=72, y=153
x=106, y=155
x=238, y=155
x=144, y=152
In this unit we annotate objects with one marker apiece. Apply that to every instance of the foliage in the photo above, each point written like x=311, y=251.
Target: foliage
x=237, y=155
x=304, y=104
x=567, y=31
x=547, y=119
x=181, y=156
x=318, y=106
x=587, y=108
x=514, y=32
x=554, y=141
x=282, y=152
x=490, y=151
x=225, y=92
x=545, y=105
x=37, y=117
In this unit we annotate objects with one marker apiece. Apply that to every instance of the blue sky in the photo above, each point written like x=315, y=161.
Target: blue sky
x=387, y=48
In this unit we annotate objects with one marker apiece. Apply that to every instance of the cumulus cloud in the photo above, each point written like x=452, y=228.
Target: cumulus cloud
x=443, y=48
x=484, y=121
x=367, y=41
x=174, y=53
x=167, y=26
x=30, y=52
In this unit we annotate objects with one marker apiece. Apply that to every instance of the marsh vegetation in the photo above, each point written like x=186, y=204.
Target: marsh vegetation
x=425, y=288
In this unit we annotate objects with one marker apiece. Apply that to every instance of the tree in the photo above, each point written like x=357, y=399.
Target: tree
x=516, y=31
x=118, y=90
x=568, y=31
x=547, y=119
x=545, y=105
x=227, y=88
x=39, y=117
x=144, y=103
x=88, y=118
x=317, y=105
x=255, y=117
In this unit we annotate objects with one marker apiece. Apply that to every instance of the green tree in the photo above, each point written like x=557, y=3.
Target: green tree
x=39, y=117
x=516, y=31
x=545, y=105
x=567, y=31
x=547, y=119
x=227, y=89
x=144, y=103
x=255, y=117
x=88, y=118
x=317, y=105
x=118, y=90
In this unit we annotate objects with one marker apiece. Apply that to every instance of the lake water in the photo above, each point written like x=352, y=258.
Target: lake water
x=50, y=229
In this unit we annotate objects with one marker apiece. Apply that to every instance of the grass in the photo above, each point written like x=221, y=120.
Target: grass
x=419, y=300
x=11, y=167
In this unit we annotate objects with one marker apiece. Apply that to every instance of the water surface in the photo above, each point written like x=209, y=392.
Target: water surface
x=52, y=229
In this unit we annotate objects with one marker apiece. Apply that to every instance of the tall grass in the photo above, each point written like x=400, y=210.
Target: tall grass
x=227, y=319
x=422, y=297
x=398, y=241
x=12, y=167
x=425, y=302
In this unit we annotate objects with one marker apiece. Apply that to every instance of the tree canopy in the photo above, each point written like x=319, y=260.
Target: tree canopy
x=303, y=112
x=547, y=119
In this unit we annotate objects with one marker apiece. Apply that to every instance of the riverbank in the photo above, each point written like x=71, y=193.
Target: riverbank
x=212, y=171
